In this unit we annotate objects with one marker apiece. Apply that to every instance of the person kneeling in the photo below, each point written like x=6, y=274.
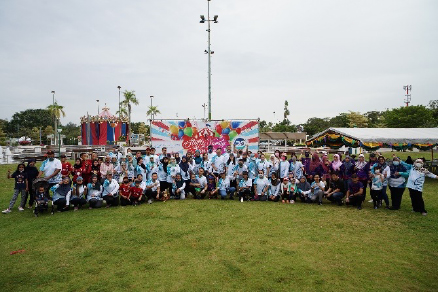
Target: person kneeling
x=178, y=187
x=110, y=191
x=153, y=188
x=224, y=187
x=354, y=193
x=136, y=193
x=245, y=186
x=317, y=190
x=125, y=192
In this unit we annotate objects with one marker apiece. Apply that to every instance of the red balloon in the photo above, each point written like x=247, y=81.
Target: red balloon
x=188, y=124
x=226, y=137
x=218, y=129
x=239, y=130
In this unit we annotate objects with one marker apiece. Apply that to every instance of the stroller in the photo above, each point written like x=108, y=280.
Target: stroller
x=41, y=206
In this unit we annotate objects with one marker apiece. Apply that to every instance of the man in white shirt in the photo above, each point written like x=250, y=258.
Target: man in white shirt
x=218, y=163
x=110, y=191
x=51, y=168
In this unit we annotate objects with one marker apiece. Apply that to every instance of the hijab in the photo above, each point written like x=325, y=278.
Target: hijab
x=184, y=165
x=336, y=163
x=305, y=186
x=360, y=164
x=348, y=164
x=409, y=160
x=164, y=163
x=324, y=165
x=198, y=157
x=315, y=162
x=63, y=189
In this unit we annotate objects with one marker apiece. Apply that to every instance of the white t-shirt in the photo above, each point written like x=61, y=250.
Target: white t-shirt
x=49, y=167
x=264, y=165
x=202, y=181
x=219, y=162
x=261, y=184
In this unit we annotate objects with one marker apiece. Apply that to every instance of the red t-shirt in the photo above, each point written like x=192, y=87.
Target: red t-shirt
x=77, y=172
x=125, y=190
x=136, y=192
x=66, y=168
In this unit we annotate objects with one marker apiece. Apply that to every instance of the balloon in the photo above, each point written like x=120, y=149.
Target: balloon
x=218, y=129
x=226, y=137
x=174, y=130
x=225, y=124
x=235, y=125
x=239, y=130
x=181, y=124
x=216, y=134
x=225, y=131
x=195, y=130
x=232, y=135
x=188, y=131
x=180, y=133
x=188, y=124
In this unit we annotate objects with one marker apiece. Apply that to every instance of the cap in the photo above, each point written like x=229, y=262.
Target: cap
x=361, y=155
x=63, y=156
x=79, y=178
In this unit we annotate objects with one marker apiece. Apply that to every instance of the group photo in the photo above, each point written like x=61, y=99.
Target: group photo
x=219, y=146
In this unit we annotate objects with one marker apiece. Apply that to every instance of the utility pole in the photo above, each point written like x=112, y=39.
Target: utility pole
x=119, y=87
x=209, y=52
x=408, y=89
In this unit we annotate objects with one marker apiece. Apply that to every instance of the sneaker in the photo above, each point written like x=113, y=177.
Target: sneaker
x=20, y=209
x=370, y=201
x=76, y=208
x=241, y=199
x=424, y=213
x=292, y=201
x=149, y=201
x=319, y=203
x=6, y=211
x=375, y=207
x=359, y=207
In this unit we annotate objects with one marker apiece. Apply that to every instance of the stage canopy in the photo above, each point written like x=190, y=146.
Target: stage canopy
x=104, y=129
x=375, y=138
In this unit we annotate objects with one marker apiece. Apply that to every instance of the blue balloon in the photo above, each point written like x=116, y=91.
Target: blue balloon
x=180, y=133
x=181, y=124
x=225, y=131
x=235, y=125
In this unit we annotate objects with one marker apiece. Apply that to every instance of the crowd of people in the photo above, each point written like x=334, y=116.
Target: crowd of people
x=135, y=178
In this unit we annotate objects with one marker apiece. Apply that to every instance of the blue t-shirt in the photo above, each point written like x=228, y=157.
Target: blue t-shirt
x=354, y=187
x=20, y=179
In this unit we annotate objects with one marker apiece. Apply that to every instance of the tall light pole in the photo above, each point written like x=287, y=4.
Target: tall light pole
x=98, y=110
x=119, y=87
x=54, y=117
x=150, y=123
x=209, y=52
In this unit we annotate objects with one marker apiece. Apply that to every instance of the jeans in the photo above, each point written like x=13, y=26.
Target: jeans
x=224, y=193
x=78, y=202
x=94, y=203
x=111, y=200
x=15, y=196
x=336, y=197
x=317, y=196
x=384, y=196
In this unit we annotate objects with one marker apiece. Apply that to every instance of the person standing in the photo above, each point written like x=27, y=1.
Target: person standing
x=397, y=182
x=21, y=187
x=51, y=168
x=32, y=174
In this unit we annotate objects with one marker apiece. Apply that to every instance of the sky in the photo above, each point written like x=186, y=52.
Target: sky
x=323, y=57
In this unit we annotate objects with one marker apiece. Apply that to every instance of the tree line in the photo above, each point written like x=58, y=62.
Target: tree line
x=416, y=116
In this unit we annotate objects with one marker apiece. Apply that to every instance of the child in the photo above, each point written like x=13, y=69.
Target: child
x=21, y=186
x=303, y=188
x=376, y=186
x=211, y=187
x=78, y=194
x=125, y=192
x=194, y=186
x=245, y=186
x=41, y=200
x=136, y=193
x=178, y=187
x=285, y=188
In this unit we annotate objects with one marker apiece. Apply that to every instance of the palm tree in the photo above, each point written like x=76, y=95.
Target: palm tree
x=153, y=111
x=130, y=98
x=56, y=111
x=122, y=112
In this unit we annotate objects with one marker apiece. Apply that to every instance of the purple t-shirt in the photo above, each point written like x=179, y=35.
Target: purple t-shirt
x=354, y=187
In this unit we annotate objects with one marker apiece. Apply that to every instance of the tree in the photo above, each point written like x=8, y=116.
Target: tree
x=284, y=126
x=130, y=98
x=415, y=116
x=340, y=121
x=71, y=132
x=2, y=137
x=153, y=111
x=56, y=112
x=35, y=135
x=286, y=110
x=47, y=131
x=375, y=119
x=316, y=125
x=357, y=120
x=265, y=127
x=433, y=106
x=23, y=122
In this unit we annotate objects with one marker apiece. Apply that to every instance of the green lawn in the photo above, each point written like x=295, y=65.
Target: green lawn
x=221, y=245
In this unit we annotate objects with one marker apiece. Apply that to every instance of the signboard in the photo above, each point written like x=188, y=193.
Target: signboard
x=190, y=135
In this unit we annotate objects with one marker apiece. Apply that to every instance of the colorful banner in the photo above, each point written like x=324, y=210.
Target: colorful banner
x=182, y=136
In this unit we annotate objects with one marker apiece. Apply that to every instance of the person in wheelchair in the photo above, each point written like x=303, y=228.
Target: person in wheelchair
x=41, y=200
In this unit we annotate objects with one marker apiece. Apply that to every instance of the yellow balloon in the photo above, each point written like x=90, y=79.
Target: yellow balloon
x=174, y=129
x=225, y=124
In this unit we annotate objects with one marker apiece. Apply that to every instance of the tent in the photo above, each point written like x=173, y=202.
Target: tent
x=104, y=129
x=375, y=138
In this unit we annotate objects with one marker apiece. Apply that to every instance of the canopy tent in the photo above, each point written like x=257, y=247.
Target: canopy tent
x=375, y=138
x=104, y=129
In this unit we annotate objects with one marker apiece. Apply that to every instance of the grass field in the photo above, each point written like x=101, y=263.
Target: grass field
x=216, y=245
